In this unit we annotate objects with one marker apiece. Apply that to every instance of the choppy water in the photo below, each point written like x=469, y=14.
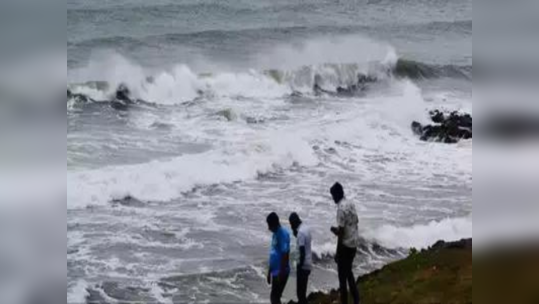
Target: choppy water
x=231, y=129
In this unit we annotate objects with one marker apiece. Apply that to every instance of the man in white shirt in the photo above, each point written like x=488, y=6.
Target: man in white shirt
x=348, y=240
x=304, y=267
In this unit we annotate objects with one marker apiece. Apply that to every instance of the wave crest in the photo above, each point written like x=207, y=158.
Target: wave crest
x=182, y=84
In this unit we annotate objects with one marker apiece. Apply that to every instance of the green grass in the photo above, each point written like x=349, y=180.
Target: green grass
x=508, y=275
x=427, y=277
x=443, y=276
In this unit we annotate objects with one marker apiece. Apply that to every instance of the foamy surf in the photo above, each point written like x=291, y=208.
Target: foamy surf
x=78, y=292
x=167, y=179
x=167, y=196
x=422, y=236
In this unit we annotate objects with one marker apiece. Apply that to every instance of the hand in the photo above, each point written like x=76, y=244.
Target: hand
x=335, y=230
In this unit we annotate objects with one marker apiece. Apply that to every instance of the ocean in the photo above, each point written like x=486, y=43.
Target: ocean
x=167, y=198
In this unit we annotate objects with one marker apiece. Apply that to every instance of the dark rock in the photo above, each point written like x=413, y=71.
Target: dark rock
x=123, y=98
x=462, y=244
x=123, y=93
x=438, y=245
x=446, y=128
x=437, y=116
x=331, y=151
x=417, y=128
x=128, y=201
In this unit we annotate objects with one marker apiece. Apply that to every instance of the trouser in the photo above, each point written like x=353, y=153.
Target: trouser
x=303, y=280
x=346, y=276
x=277, y=288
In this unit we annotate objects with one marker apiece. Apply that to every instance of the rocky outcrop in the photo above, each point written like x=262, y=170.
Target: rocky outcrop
x=446, y=128
x=462, y=244
x=121, y=100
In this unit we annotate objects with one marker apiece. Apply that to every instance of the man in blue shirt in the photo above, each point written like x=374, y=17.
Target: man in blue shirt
x=279, y=265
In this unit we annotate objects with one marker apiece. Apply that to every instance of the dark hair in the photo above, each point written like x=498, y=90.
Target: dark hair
x=294, y=218
x=337, y=191
x=273, y=220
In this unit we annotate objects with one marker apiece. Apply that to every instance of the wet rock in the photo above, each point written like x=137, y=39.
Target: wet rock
x=445, y=128
x=128, y=201
x=123, y=93
x=331, y=151
x=123, y=98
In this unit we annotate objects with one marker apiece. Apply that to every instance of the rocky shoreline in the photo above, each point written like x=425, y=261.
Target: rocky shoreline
x=440, y=274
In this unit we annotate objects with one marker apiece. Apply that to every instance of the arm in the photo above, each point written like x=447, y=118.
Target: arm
x=338, y=231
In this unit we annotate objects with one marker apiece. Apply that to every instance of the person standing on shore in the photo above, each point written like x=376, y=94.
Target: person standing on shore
x=348, y=240
x=279, y=265
x=304, y=267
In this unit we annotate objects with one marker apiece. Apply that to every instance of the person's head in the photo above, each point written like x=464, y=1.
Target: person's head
x=273, y=222
x=295, y=222
x=337, y=192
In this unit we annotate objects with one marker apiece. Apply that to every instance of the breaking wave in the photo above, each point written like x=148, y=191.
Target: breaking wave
x=168, y=179
x=181, y=84
x=422, y=235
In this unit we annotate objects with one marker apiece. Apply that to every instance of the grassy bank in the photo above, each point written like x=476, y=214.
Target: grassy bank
x=441, y=274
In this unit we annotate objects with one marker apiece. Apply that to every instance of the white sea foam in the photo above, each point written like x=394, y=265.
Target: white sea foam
x=165, y=180
x=77, y=293
x=343, y=49
x=276, y=73
x=382, y=129
x=157, y=292
x=422, y=236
